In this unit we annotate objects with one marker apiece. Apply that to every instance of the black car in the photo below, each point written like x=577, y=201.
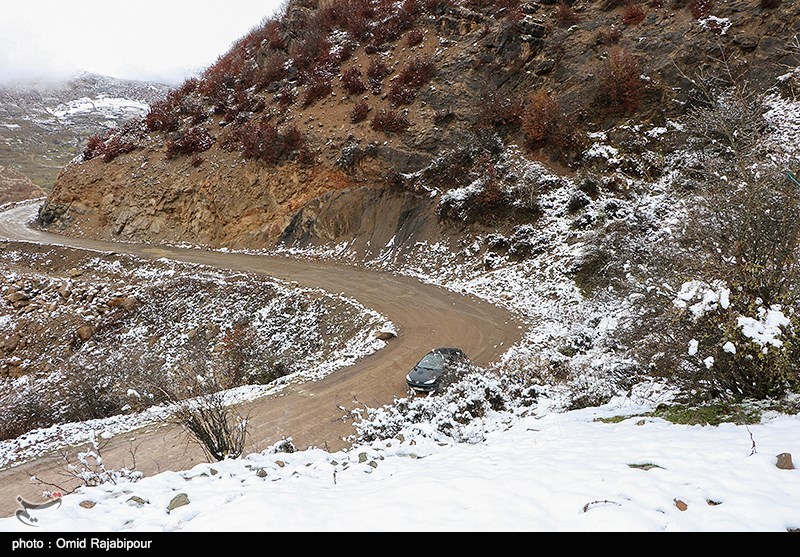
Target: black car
x=427, y=374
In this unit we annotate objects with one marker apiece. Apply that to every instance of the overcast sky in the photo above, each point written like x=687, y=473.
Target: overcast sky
x=159, y=40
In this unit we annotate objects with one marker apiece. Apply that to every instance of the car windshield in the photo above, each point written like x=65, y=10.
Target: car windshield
x=432, y=361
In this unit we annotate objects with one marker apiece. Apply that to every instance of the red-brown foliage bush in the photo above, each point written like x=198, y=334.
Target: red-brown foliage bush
x=377, y=70
x=162, y=117
x=414, y=37
x=221, y=76
x=415, y=74
x=286, y=96
x=620, y=85
x=312, y=55
x=633, y=14
x=769, y=4
x=115, y=147
x=401, y=94
x=544, y=121
x=263, y=141
x=352, y=16
x=393, y=22
x=275, y=35
x=194, y=140
x=95, y=146
x=353, y=81
x=389, y=121
x=272, y=70
x=565, y=15
x=360, y=112
x=188, y=87
x=318, y=88
x=701, y=8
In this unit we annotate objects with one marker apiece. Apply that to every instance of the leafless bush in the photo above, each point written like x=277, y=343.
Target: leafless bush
x=88, y=468
x=212, y=422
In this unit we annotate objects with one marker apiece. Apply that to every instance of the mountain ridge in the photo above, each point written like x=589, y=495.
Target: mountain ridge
x=44, y=125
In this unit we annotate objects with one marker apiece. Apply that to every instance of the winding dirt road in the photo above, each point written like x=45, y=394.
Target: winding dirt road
x=311, y=413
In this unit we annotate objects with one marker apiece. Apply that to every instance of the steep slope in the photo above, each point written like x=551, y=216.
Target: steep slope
x=44, y=126
x=230, y=160
x=618, y=173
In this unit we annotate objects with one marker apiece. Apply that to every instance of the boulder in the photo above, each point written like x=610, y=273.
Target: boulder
x=11, y=342
x=85, y=332
x=784, y=461
x=180, y=500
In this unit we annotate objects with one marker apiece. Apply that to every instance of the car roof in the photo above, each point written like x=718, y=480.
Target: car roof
x=448, y=350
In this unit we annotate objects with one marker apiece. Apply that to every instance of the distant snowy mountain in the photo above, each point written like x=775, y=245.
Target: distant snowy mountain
x=44, y=125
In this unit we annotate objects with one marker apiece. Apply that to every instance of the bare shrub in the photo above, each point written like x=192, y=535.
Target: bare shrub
x=212, y=422
x=88, y=469
x=769, y=4
x=740, y=243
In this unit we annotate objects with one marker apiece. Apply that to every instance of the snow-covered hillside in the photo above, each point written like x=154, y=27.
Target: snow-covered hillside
x=45, y=125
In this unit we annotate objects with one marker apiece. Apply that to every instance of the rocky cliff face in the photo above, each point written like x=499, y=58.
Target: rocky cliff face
x=347, y=120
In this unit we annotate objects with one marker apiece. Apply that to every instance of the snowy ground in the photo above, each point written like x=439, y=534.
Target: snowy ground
x=549, y=472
